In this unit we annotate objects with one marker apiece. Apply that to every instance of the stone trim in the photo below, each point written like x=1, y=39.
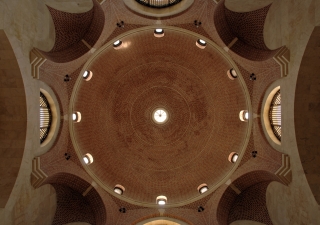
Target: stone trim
x=37, y=175
x=284, y=173
x=282, y=57
x=36, y=61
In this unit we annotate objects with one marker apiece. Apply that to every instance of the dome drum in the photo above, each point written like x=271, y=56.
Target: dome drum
x=157, y=115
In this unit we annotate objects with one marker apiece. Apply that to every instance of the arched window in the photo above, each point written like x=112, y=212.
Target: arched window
x=275, y=114
x=158, y=3
x=45, y=117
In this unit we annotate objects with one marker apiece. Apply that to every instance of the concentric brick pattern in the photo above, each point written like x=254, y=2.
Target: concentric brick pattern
x=149, y=150
x=251, y=205
x=142, y=114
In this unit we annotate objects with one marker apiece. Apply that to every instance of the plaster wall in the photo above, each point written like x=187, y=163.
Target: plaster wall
x=35, y=206
x=27, y=24
x=13, y=119
x=21, y=33
x=294, y=204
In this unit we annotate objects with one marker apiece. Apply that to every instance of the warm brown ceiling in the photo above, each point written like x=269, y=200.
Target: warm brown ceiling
x=150, y=159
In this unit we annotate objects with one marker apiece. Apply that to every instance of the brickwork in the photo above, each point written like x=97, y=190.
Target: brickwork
x=251, y=205
x=96, y=26
x=97, y=206
x=70, y=29
x=267, y=71
x=221, y=24
x=196, y=204
x=73, y=52
x=71, y=207
x=225, y=206
x=186, y=98
x=249, y=179
x=252, y=53
x=247, y=27
x=188, y=216
x=70, y=200
x=265, y=76
x=135, y=215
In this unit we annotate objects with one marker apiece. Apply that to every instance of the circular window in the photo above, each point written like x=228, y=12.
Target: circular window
x=275, y=114
x=45, y=117
x=160, y=115
x=158, y=3
x=158, y=8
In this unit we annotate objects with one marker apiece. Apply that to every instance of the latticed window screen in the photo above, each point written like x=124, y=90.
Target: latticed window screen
x=158, y=3
x=45, y=117
x=275, y=114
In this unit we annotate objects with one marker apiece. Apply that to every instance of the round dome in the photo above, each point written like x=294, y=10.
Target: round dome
x=163, y=115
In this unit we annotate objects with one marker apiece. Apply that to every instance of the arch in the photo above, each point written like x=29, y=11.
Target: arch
x=55, y=124
x=76, y=198
x=246, y=222
x=243, y=195
x=161, y=218
x=251, y=204
x=272, y=32
x=45, y=37
x=158, y=12
x=13, y=119
x=246, y=6
x=87, y=27
x=307, y=113
x=243, y=32
x=78, y=223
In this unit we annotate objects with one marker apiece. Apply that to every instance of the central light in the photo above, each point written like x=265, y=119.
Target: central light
x=160, y=116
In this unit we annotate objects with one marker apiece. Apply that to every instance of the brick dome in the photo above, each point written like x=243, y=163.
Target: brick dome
x=147, y=158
